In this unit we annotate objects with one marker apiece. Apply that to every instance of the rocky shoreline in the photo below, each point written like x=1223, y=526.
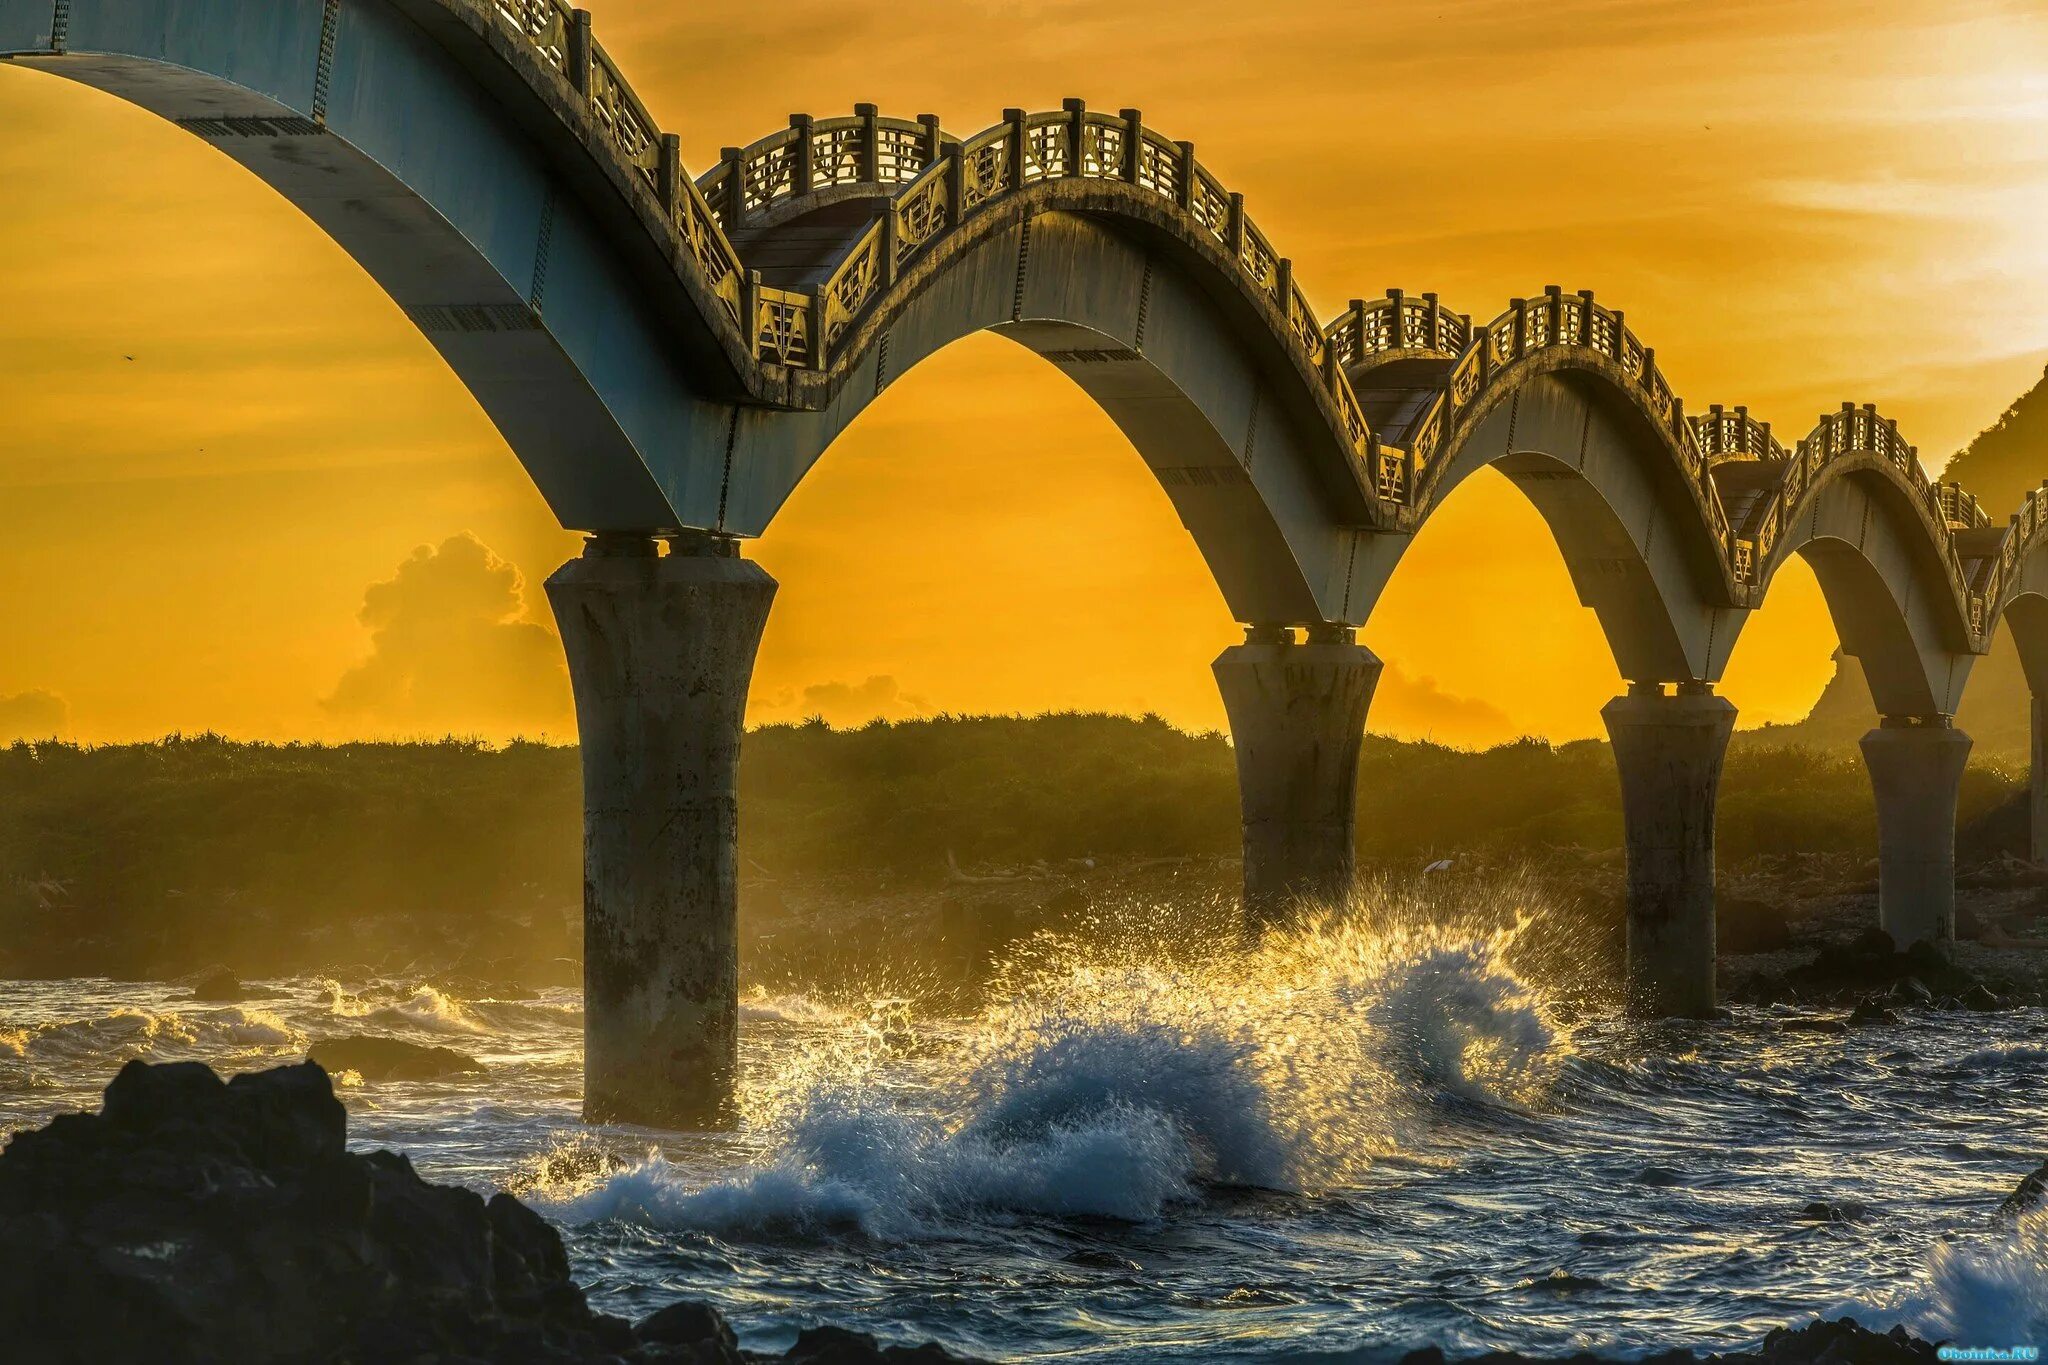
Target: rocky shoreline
x=199, y=1222
x=194, y=1220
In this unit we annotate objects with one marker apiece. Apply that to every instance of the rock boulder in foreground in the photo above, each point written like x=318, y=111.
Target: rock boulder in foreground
x=194, y=1221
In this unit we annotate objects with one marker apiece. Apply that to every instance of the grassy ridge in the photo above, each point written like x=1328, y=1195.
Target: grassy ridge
x=210, y=848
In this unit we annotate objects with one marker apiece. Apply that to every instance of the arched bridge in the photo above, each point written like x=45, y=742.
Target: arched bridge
x=668, y=356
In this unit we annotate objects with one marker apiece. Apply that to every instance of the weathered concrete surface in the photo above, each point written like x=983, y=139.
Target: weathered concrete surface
x=1915, y=771
x=1668, y=750
x=660, y=654
x=1297, y=718
x=2037, y=787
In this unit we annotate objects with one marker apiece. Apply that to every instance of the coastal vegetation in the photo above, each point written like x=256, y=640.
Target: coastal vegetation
x=161, y=858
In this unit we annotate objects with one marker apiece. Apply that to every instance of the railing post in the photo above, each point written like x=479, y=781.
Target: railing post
x=1134, y=143
x=1649, y=378
x=1077, y=122
x=1189, y=168
x=1283, y=288
x=818, y=357
x=1356, y=322
x=1019, y=146
x=576, y=62
x=1585, y=336
x=892, y=230
x=1555, y=293
x=735, y=186
x=1396, y=300
x=803, y=166
x=870, y=141
x=1432, y=322
x=956, y=186
x=1235, y=236
x=668, y=172
x=934, y=141
x=750, y=311
x=1621, y=339
x=1520, y=306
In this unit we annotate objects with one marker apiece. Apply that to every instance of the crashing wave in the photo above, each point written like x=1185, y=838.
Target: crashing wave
x=1119, y=1091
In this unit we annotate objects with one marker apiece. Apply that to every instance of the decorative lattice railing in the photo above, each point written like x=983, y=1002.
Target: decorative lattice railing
x=933, y=182
x=560, y=38
x=1398, y=325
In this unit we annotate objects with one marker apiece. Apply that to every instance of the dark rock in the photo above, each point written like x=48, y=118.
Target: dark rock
x=215, y=983
x=1817, y=1343
x=687, y=1324
x=837, y=1346
x=1844, y=972
x=2031, y=1193
x=1561, y=1283
x=1870, y=1013
x=1813, y=1026
x=1838, y=1211
x=218, y=985
x=1745, y=925
x=1980, y=998
x=390, y=1059
x=1912, y=992
x=196, y=1222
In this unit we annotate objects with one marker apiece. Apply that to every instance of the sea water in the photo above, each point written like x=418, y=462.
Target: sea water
x=1336, y=1147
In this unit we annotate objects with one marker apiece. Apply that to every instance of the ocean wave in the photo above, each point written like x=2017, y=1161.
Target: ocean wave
x=129, y=1031
x=420, y=1007
x=1997, y=1059
x=852, y=1165
x=1118, y=1091
x=1989, y=1290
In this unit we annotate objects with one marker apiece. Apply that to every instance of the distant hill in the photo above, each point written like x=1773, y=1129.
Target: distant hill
x=2005, y=460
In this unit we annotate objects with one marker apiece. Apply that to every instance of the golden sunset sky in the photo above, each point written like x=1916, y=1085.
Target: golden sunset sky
x=223, y=447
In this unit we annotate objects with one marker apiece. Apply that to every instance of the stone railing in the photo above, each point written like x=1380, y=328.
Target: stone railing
x=933, y=182
x=560, y=37
x=1853, y=430
x=1417, y=326
x=1572, y=321
x=1997, y=574
x=818, y=154
x=1732, y=434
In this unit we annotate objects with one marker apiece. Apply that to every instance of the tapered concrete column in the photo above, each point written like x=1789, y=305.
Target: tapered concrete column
x=1915, y=771
x=2037, y=789
x=1297, y=717
x=1668, y=750
x=660, y=654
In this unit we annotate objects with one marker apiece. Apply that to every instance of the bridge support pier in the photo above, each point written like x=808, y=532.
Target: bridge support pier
x=1297, y=719
x=2037, y=788
x=661, y=649
x=1916, y=769
x=1668, y=750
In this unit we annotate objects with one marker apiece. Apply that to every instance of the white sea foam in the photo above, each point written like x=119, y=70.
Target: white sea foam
x=1117, y=1091
x=1989, y=1292
x=424, y=1008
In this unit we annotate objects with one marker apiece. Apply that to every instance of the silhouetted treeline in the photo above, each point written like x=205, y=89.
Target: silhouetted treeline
x=151, y=856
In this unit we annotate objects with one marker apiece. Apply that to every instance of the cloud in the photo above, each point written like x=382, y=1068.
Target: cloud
x=35, y=714
x=452, y=650
x=1418, y=707
x=841, y=703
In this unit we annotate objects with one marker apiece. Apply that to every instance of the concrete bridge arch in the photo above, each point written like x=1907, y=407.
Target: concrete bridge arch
x=669, y=356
